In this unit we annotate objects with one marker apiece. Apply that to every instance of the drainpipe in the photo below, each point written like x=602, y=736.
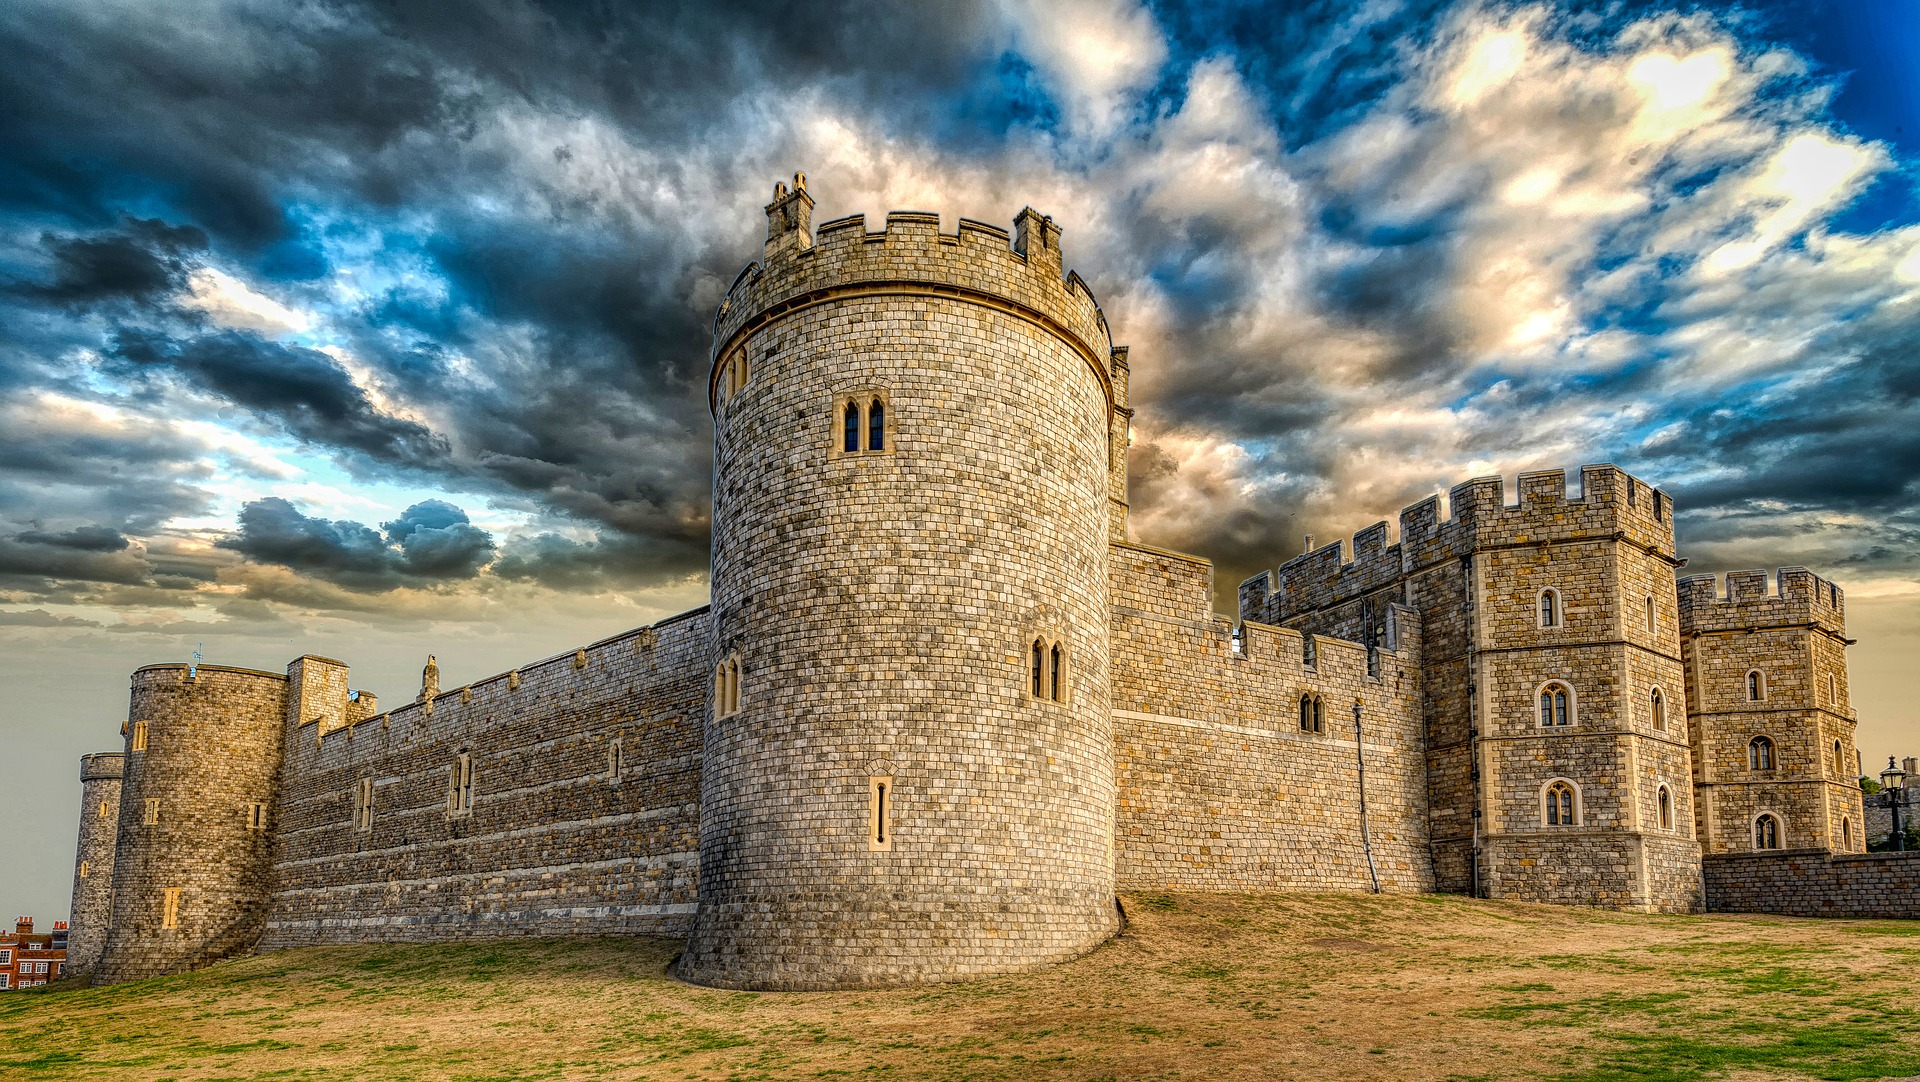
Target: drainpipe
x=1366, y=836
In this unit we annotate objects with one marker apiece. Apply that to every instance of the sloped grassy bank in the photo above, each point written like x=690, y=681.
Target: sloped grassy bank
x=1200, y=987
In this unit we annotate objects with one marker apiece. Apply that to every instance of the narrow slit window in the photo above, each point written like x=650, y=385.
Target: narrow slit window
x=877, y=426
x=1653, y=622
x=139, y=736
x=1319, y=714
x=1657, y=707
x=460, y=793
x=613, y=760
x=850, y=441
x=1055, y=690
x=1839, y=763
x=363, y=806
x=1039, y=667
x=152, y=812
x=880, y=813
x=1306, y=713
x=1846, y=834
x=256, y=816
x=1666, y=809
x=170, y=907
x=83, y=869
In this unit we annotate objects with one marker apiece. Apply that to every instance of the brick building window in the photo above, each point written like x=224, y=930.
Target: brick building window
x=1313, y=714
x=880, y=813
x=1756, y=686
x=256, y=816
x=460, y=787
x=151, y=813
x=726, y=688
x=170, y=907
x=1560, y=804
x=1657, y=710
x=1665, y=802
x=139, y=737
x=1556, y=705
x=363, y=806
x=1549, y=606
x=1760, y=753
x=1766, y=831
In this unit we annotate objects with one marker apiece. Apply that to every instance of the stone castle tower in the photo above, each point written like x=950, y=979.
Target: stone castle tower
x=1773, y=750
x=1557, y=760
x=940, y=706
x=192, y=870
x=919, y=461
x=100, y=779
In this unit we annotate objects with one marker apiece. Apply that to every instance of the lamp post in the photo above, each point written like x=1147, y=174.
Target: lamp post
x=1891, y=780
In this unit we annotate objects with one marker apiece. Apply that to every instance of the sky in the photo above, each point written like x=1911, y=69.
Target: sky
x=379, y=329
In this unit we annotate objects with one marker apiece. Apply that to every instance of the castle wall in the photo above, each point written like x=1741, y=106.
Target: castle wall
x=92, y=910
x=555, y=841
x=1815, y=883
x=191, y=870
x=881, y=606
x=1218, y=787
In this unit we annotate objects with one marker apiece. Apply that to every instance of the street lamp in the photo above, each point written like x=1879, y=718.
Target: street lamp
x=1890, y=780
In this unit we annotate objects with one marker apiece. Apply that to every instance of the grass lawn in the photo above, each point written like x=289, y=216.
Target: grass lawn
x=1201, y=987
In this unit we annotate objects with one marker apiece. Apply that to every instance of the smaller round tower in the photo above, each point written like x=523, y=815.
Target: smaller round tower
x=192, y=868
x=92, y=909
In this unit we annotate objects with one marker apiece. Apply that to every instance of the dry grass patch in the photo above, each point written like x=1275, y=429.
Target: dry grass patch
x=1200, y=987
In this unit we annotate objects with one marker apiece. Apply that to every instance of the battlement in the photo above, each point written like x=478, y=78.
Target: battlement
x=1800, y=598
x=103, y=766
x=1611, y=504
x=1022, y=273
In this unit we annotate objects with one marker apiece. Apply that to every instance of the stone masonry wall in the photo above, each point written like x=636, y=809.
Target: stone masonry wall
x=1815, y=883
x=556, y=840
x=92, y=909
x=1219, y=789
x=212, y=753
x=881, y=606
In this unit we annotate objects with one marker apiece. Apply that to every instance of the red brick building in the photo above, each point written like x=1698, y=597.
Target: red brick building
x=28, y=960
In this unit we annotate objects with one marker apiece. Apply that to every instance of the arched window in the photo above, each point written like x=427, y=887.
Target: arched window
x=1055, y=675
x=1760, y=754
x=1560, y=804
x=1833, y=690
x=850, y=427
x=1846, y=834
x=1766, y=831
x=1549, y=608
x=1839, y=763
x=1653, y=623
x=877, y=426
x=1756, y=686
x=1556, y=705
x=1657, y=706
x=615, y=753
x=1039, y=667
x=1666, y=809
x=726, y=688
x=1306, y=713
x=1319, y=714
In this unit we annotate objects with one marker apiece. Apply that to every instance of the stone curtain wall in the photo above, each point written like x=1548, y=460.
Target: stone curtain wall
x=553, y=844
x=92, y=909
x=213, y=751
x=882, y=606
x=1218, y=789
x=1815, y=883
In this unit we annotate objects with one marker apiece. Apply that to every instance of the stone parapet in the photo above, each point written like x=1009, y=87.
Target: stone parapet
x=1800, y=599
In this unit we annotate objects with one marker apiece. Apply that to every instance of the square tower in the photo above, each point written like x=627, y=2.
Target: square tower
x=1773, y=732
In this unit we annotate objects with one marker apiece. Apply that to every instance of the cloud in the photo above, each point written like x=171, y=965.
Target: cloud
x=433, y=541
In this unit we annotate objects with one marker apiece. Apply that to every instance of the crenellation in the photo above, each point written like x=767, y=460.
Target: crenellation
x=940, y=706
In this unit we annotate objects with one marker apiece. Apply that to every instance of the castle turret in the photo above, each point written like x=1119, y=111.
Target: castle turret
x=1773, y=742
x=191, y=870
x=92, y=909
x=908, y=767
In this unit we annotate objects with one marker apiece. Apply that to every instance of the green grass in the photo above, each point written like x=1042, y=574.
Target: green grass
x=1200, y=987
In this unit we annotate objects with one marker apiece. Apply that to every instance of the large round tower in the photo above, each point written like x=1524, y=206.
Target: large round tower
x=192, y=869
x=908, y=767
x=92, y=907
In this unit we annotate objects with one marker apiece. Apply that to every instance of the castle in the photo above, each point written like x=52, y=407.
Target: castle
x=940, y=708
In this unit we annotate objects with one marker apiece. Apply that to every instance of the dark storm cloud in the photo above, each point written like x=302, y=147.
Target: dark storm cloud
x=433, y=541
x=142, y=260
